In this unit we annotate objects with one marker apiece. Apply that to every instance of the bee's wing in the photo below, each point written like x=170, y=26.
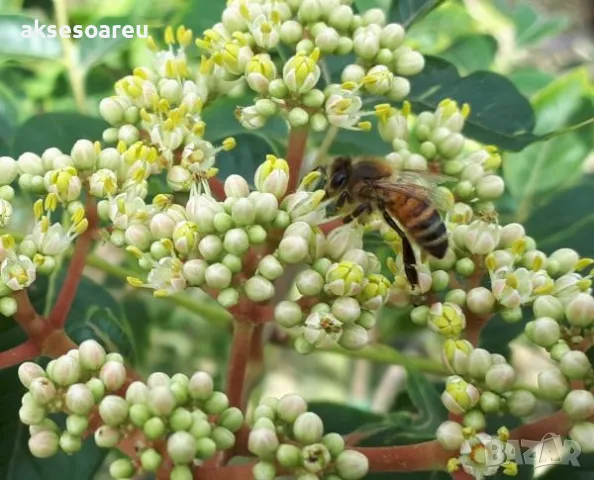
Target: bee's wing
x=421, y=185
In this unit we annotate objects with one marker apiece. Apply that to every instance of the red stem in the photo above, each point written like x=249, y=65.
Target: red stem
x=295, y=154
x=60, y=310
x=19, y=354
x=240, y=354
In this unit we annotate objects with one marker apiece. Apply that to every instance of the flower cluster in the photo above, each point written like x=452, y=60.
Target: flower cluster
x=195, y=419
x=285, y=434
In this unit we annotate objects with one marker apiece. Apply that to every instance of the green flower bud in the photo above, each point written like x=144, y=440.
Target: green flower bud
x=265, y=422
x=351, y=465
x=236, y=241
x=459, y=396
x=228, y=297
x=552, y=385
x=374, y=16
x=277, y=88
x=456, y=355
x=211, y=247
x=181, y=472
x=309, y=11
x=309, y=282
x=548, y=306
x=353, y=337
x=122, y=468
x=42, y=390
x=201, y=386
x=544, y=332
x=113, y=376
x=79, y=399
x=457, y=296
x=557, y=351
x=44, y=444
x=180, y=419
x=511, y=315
x=139, y=414
x=161, y=401
x=66, y=370
x=579, y=404
x=263, y=442
x=257, y=234
x=77, y=424
x=490, y=402
x=446, y=319
x=154, y=428
x=223, y=438
x=266, y=206
x=298, y=117
x=282, y=220
x=31, y=413
x=150, y=460
x=97, y=388
x=216, y=404
x=71, y=443
x=419, y=315
x=200, y=427
x=308, y=428
x=315, y=458
x=583, y=433
x=475, y=419
x=181, y=447
x=575, y=365
x=580, y=310
x=270, y=268
x=375, y=292
x=91, y=355
x=500, y=377
x=521, y=403
x=289, y=456
x=106, y=436
x=113, y=410
x=231, y=419
x=243, y=212
x=205, y=448
x=465, y=267
x=8, y=306
x=301, y=72
x=264, y=471
x=344, y=278
x=450, y=435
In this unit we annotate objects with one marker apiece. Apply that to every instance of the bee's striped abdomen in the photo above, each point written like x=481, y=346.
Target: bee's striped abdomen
x=423, y=223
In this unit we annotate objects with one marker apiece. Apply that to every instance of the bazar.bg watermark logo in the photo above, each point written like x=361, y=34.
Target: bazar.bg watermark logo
x=551, y=450
x=39, y=30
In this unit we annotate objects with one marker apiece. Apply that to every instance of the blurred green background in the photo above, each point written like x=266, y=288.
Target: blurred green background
x=545, y=48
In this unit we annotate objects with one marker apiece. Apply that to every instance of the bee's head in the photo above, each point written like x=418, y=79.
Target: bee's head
x=338, y=176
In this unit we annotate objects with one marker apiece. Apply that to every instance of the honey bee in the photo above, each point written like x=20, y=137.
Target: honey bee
x=361, y=186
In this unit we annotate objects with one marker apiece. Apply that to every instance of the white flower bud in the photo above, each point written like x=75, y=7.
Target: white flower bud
x=346, y=309
x=408, y=62
x=236, y=186
x=341, y=240
x=179, y=178
x=259, y=289
x=459, y=396
x=544, y=331
x=236, y=241
x=566, y=260
x=138, y=235
x=194, y=271
x=580, y=310
x=218, y=276
x=162, y=226
x=392, y=36
x=366, y=43
x=291, y=32
x=266, y=205
x=579, y=404
x=211, y=247
x=30, y=163
x=352, y=465
x=110, y=159
x=521, y=403
x=490, y=187
x=270, y=268
x=288, y=314
x=293, y=249
x=10, y=169
x=450, y=435
x=480, y=237
x=309, y=282
x=354, y=337
x=548, y=306
x=500, y=377
x=583, y=434
x=84, y=155
x=79, y=399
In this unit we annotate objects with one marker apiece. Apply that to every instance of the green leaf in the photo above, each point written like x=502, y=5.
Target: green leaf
x=92, y=50
x=136, y=311
x=500, y=114
x=202, y=14
x=407, y=12
x=530, y=80
x=532, y=26
x=17, y=463
x=343, y=419
x=471, y=53
x=60, y=130
x=542, y=168
x=566, y=220
x=13, y=44
x=496, y=335
x=364, y=5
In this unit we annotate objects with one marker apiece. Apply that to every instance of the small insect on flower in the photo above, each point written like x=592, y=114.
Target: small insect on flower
x=363, y=186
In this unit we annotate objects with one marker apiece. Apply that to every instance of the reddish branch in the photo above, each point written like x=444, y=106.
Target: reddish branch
x=217, y=188
x=19, y=354
x=295, y=154
x=59, y=313
x=240, y=354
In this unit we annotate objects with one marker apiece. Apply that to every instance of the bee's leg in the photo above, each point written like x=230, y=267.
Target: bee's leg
x=342, y=199
x=357, y=212
x=408, y=254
